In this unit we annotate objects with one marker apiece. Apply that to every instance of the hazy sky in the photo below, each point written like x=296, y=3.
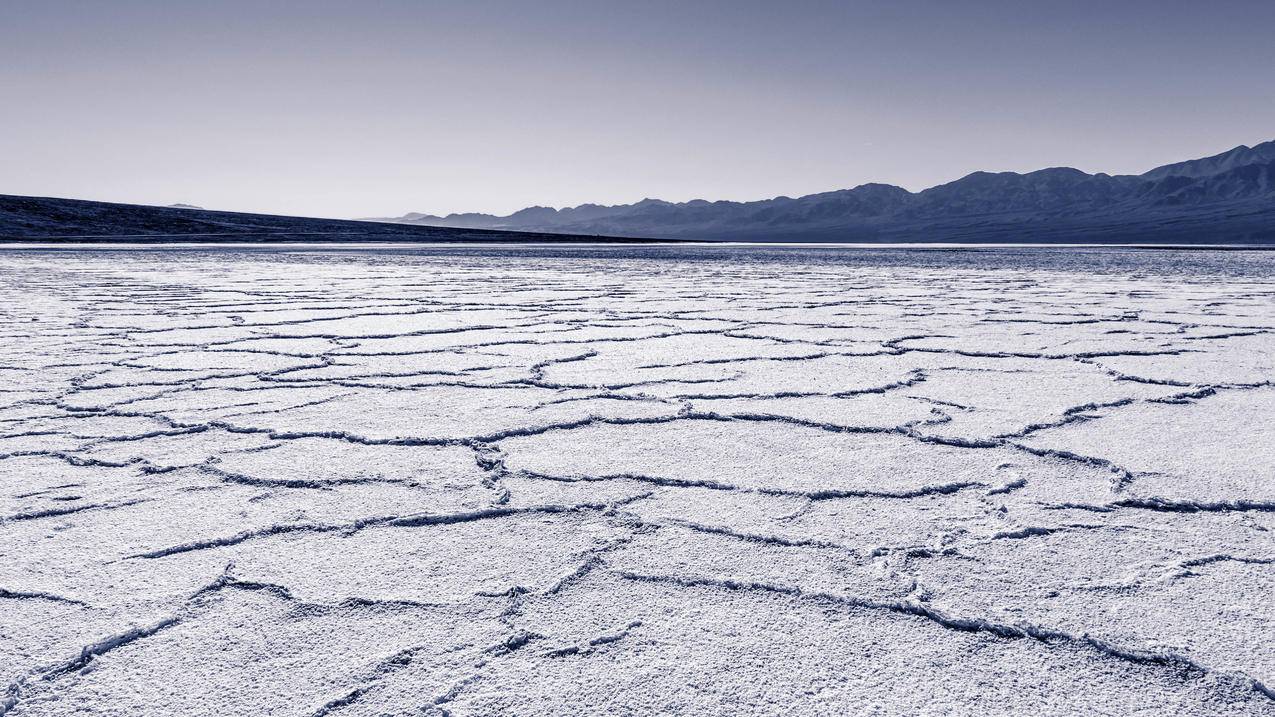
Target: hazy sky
x=371, y=108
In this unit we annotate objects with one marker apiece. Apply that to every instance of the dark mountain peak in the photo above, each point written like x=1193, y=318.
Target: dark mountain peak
x=650, y=202
x=1059, y=173
x=1016, y=178
x=1050, y=192
x=466, y=215
x=1246, y=181
x=536, y=213
x=880, y=187
x=879, y=190
x=871, y=191
x=1218, y=163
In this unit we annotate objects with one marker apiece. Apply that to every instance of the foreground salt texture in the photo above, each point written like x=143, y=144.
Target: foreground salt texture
x=478, y=482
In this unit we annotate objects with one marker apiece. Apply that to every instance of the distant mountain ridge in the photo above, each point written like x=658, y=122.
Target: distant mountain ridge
x=1226, y=198
x=39, y=219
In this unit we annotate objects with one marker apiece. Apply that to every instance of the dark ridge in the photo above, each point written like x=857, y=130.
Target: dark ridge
x=1225, y=199
x=74, y=220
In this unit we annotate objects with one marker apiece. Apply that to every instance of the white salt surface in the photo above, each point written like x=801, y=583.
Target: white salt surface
x=591, y=481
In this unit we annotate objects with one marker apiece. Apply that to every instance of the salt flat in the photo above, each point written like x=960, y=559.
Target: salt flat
x=702, y=481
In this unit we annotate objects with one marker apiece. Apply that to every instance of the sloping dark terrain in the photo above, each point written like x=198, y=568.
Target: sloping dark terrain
x=1227, y=198
x=41, y=218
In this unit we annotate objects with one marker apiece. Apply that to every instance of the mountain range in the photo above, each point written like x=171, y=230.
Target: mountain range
x=1226, y=198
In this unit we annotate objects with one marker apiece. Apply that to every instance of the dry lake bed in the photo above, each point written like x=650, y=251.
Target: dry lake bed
x=641, y=480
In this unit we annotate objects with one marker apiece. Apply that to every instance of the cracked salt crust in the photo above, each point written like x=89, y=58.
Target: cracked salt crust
x=467, y=481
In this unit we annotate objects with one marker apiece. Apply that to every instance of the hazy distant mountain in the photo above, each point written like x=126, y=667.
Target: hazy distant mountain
x=1229, y=197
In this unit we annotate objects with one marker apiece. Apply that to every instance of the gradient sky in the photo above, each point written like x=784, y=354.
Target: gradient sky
x=349, y=109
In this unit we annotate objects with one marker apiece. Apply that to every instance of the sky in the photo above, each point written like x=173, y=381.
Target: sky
x=360, y=109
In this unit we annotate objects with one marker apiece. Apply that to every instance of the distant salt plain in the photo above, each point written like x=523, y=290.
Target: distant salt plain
x=637, y=480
